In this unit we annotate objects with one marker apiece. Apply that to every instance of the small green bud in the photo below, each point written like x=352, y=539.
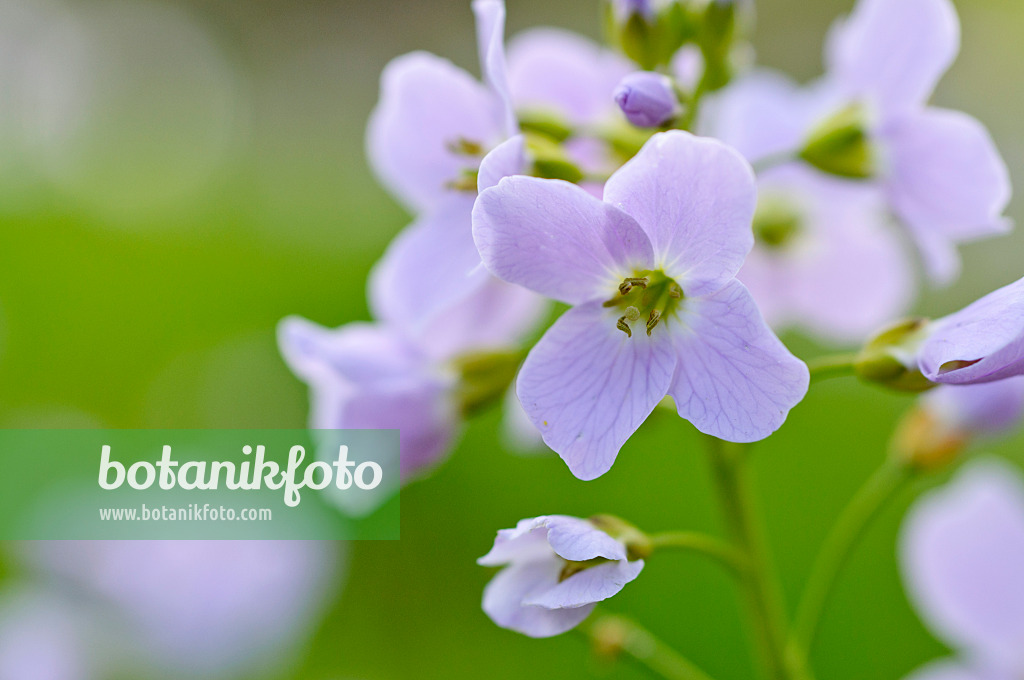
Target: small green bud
x=889, y=358
x=545, y=123
x=776, y=222
x=649, y=33
x=841, y=145
x=923, y=441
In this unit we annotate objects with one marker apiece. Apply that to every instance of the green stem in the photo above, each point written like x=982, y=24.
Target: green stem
x=612, y=634
x=844, y=536
x=832, y=366
x=709, y=546
x=761, y=593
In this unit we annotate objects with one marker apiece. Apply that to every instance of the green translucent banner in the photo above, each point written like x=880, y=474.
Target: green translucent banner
x=216, y=484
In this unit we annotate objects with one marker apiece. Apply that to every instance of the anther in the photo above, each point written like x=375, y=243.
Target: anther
x=627, y=285
x=674, y=291
x=624, y=327
x=653, y=320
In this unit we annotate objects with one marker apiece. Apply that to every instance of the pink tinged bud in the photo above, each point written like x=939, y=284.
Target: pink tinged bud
x=647, y=99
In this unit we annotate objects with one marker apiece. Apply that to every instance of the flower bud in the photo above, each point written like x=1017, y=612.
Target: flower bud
x=650, y=31
x=647, y=99
x=841, y=145
x=890, y=358
x=926, y=442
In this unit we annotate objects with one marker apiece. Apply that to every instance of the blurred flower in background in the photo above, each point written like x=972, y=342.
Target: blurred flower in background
x=198, y=609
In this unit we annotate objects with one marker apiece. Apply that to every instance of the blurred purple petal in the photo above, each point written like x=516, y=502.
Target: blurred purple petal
x=559, y=71
x=43, y=638
x=894, y=51
x=695, y=198
x=427, y=107
x=984, y=409
x=587, y=387
x=556, y=239
x=734, y=379
x=490, y=27
x=946, y=177
x=962, y=551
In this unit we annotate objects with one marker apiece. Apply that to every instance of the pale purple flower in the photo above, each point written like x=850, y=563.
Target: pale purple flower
x=981, y=343
x=659, y=254
x=372, y=375
x=941, y=172
x=962, y=553
x=435, y=121
x=201, y=608
x=826, y=257
x=647, y=99
x=556, y=568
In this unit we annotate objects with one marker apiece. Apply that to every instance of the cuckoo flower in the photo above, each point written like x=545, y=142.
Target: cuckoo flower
x=940, y=170
x=434, y=121
x=556, y=569
x=825, y=257
x=372, y=375
x=980, y=343
x=961, y=552
x=656, y=308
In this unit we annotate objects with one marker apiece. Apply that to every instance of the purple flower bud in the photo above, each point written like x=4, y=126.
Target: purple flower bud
x=647, y=99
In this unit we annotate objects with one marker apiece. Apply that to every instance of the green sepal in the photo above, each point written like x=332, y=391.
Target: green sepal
x=841, y=145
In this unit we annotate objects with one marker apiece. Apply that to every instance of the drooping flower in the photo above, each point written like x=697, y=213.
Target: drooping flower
x=650, y=272
x=982, y=342
x=826, y=257
x=940, y=170
x=198, y=608
x=374, y=375
x=961, y=553
x=556, y=568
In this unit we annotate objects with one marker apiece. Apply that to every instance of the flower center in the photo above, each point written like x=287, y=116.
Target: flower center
x=649, y=295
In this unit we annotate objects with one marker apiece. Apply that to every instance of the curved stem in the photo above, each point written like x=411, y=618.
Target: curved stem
x=709, y=546
x=761, y=592
x=844, y=536
x=831, y=366
x=612, y=634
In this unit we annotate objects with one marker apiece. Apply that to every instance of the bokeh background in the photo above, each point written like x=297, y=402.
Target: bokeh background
x=177, y=176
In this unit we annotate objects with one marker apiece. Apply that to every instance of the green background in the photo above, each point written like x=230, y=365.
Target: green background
x=141, y=281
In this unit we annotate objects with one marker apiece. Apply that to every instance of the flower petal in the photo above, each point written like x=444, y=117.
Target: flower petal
x=962, y=551
x=490, y=29
x=946, y=177
x=527, y=542
x=984, y=409
x=504, y=160
x=554, y=69
x=578, y=540
x=428, y=267
x=504, y=596
x=734, y=380
x=587, y=387
x=695, y=198
x=588, y=586
x=982, y=342
x=427, y=105
x=894, y=51
x=556, y=239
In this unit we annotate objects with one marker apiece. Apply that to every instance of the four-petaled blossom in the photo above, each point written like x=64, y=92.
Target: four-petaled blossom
x=940, y=170
x=556, y=569
x=650, y=272
x=374, y=375
x=982, y=342
x=962, y=557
